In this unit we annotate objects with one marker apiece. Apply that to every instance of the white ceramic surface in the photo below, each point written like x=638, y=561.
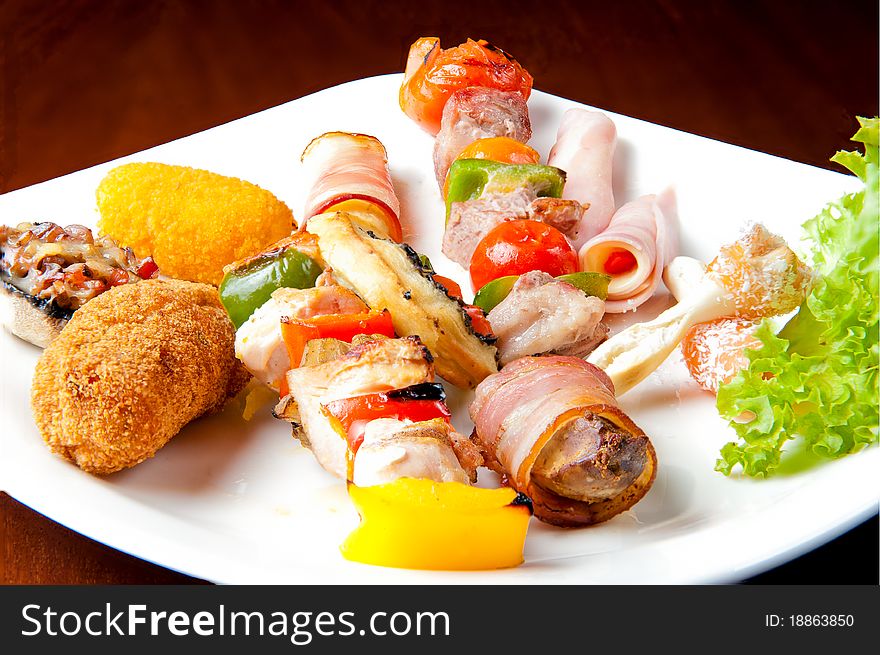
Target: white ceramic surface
x=235, y=501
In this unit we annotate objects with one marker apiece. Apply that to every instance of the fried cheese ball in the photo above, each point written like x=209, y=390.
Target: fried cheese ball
x=131, y=368
x=192, y=222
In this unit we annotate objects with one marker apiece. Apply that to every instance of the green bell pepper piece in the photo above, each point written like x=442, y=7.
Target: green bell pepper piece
x=244, y=289
x=492, y=293
x=592, y=284
x=472, y=178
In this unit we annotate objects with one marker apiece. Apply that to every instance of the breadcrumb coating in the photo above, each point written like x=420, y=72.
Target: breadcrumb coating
x=193, y=222
x=130, y=369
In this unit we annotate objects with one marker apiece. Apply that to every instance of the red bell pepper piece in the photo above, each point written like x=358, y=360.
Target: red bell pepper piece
x=298, y=332
x=452, y=287
x=351, y=415
x=477, y=315
x=479, y=322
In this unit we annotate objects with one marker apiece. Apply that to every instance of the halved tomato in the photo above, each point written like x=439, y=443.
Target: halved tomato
x=517, y=247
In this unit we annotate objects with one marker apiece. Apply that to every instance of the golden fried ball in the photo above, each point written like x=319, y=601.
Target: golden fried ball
x=192, y=222
x=131, y=368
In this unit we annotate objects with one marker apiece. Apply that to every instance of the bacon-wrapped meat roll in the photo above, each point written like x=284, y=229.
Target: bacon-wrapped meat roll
x=349, y=172
x=552, y=426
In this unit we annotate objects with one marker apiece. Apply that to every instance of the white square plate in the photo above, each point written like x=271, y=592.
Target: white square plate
x=235, y=501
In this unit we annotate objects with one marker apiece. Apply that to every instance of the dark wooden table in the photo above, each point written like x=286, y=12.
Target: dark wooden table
x=84, y=82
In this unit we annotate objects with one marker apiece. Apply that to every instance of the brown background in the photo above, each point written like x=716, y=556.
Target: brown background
x=84, y=82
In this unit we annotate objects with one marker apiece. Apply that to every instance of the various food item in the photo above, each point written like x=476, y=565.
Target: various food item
x=47, y=272
x=272, y=340
x=584, y=149
x=816, y=380
x=347, y=323
x=592, y=284
x=517, y=247
x=192, y=222
x=294, y=262
x=543, y=314
x=484, y=179
x=432, y=75
x=553, y=427
x=497, y=120
x=388, y=275
x=422, y=524
x=640, y=240
x=132, y=367
x=761, y=273
x=757, y=276
x=374, y=413
x=349, y=172
x=715, y=351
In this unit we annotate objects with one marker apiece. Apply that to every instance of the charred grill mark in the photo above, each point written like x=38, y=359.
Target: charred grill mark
x=422, y=391
x=427, y=272
x=522, y=499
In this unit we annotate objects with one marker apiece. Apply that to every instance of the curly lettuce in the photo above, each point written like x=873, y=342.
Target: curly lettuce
x=816, y=380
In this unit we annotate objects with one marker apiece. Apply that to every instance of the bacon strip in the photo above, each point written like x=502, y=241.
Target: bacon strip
x=517, y=412
x=646, y=228
x=340, y=166
x=584, y=149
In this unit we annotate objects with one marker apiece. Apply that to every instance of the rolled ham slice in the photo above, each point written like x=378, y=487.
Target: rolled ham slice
x=340, y=167
x=584, y=149
x=647, y=229
x=553, y=427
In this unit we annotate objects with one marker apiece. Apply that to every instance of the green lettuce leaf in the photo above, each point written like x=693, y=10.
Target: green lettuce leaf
x=816, y=380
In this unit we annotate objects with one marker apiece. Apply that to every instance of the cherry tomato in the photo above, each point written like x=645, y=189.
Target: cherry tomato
x=517, y=247
x=433, y=74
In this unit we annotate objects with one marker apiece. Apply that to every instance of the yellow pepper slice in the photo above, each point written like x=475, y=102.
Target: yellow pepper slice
x=421, y=524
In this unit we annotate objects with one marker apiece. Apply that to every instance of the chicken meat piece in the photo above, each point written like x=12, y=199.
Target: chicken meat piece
x=370, y=367
x=394, y=449
x=259, y=343
x=545, y=315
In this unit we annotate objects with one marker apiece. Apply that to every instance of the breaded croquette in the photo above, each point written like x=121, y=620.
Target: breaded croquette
x=131, y=368
x=192, y=222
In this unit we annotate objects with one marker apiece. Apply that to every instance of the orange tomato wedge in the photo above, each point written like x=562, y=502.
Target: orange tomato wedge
x=498, y=148
x=501, y=148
